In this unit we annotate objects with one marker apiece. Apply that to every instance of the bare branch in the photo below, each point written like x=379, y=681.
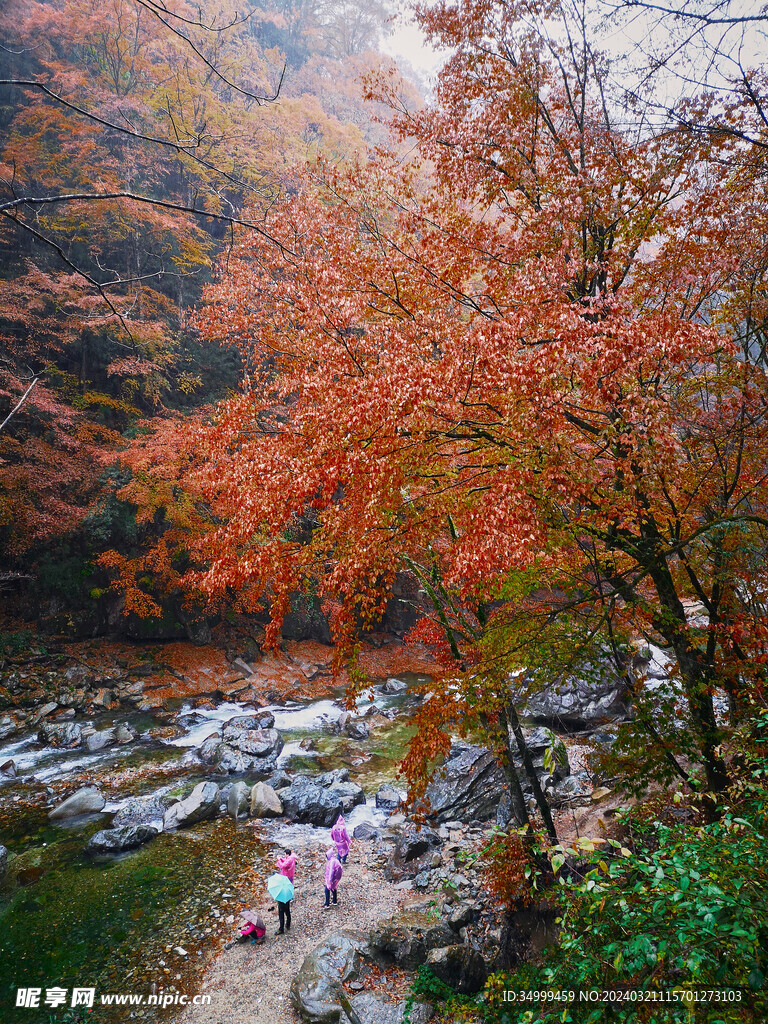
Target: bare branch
x=19, y=403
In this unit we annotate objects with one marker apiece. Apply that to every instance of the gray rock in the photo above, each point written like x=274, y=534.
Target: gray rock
x=305, y=801
x=140, y=810
x=411, y=855
x=460, y=966
x=394, y=686
x=238, y=800
x=397, y=943
x=125, y=733
x=439, y=935
x=316, y=991
x=209, y=748
x=549, y=757
x=348, y=794
x=201, y=804
x=100, y=739
x=585, y=699
x=85, y=801
x=256, y=742
x=3, y=861
x=469, y=785
x=115, y=840
x=460, y=916
x=575, y=788
x=333, y=778
x=44, y=711
x=9, y=726
x=66, y=735
x=365, y=830
x=8, y=769
x=388, y=798
x=279, y=780
x=371, y=1008
x=357, y=730
x=227, y=759
x=265, y=803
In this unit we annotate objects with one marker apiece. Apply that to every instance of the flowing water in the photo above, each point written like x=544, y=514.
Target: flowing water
x=150, y=920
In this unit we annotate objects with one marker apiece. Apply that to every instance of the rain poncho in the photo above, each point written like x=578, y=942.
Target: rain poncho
x=253, y=924
x=287, y=865
x=340, y=836
x=333, y=870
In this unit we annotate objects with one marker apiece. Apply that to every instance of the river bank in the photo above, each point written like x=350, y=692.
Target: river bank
x=128, y=720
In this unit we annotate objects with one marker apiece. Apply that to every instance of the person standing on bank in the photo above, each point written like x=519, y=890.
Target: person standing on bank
x=333, y=873
x=280, y=888
x=340, y=836
x=287, y=865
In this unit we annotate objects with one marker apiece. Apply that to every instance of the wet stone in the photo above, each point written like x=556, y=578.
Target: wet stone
x=84, y=801
x=115, y=840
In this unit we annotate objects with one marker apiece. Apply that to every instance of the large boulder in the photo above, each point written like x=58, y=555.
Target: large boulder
x=345, y=792
x=411, y=855
x=388, y=798
x=115, y=840
x=459, y=966
x=365, y=830
x=583, y=700
x=317, y=801
x=357, y=729
x=85, y=801
x=468, y=787
x=236, y=762
x=100, y=739
x=305, y=801
x=247, y=735
x=395, y=942
x=348, y=794
x=238, y=800
x=408, y=603
x=125, y=733
x=316, y=991
x=140, y=810
x=265, y=803
x=371, y=1008
x=9, y=726
x=394, y=685
x=201, y=804
x=209, y=748
x=279, y=780
x=66, y=735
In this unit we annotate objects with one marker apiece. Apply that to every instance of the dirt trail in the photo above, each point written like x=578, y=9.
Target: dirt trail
x=249, y=984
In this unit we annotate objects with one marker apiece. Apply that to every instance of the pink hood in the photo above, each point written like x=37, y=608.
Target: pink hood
x=340, y=836
x=333, y=870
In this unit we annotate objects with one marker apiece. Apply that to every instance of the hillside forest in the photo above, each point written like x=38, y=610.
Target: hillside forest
x=430, y=412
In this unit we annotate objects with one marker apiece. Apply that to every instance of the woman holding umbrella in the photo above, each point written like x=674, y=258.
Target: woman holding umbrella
x=280, y=889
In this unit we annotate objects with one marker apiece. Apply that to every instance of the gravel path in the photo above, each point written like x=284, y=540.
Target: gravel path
x=249, y=984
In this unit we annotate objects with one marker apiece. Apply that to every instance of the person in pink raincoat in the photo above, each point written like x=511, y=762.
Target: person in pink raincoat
x=340, y=836
x=333, y=873
x=287, y=865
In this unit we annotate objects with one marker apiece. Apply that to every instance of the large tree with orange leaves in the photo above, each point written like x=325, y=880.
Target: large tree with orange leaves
x=525, y=369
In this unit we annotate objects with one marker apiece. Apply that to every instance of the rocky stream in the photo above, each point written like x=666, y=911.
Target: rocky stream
x=141, y=809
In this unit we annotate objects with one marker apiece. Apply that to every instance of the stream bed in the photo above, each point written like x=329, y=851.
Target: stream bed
x=153, y=918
